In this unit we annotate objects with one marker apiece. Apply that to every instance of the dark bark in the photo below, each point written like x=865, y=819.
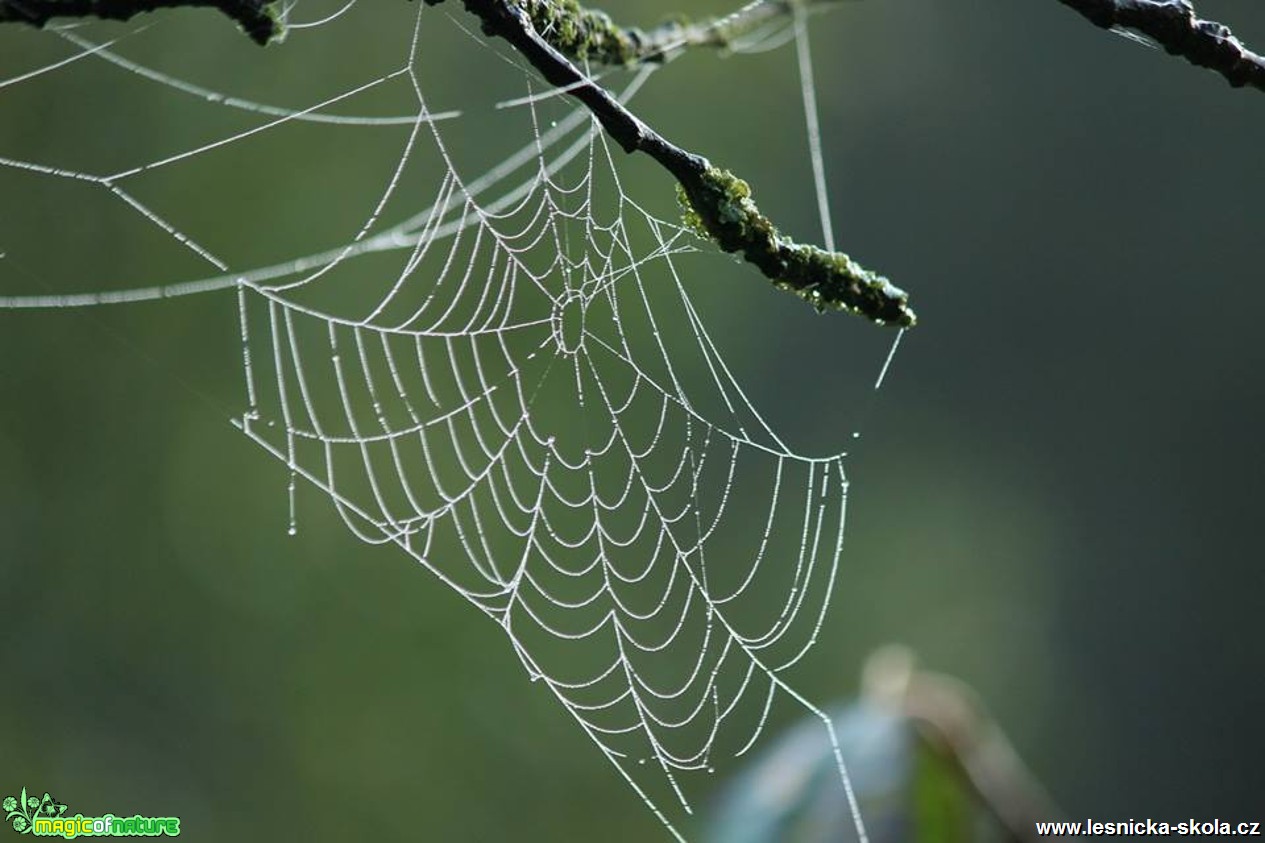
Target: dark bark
x=1174, y=25
x=260, y=19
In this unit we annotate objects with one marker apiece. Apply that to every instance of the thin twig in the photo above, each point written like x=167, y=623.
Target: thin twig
x=1174, y=25
x=262, y=20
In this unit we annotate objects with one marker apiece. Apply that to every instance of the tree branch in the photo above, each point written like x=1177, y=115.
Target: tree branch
x=262, y=20
x=1174, y=25
x=585, y=34
x=718, y=203
x=590, y=35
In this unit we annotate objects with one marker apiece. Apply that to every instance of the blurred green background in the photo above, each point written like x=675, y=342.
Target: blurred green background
x=1055, y=496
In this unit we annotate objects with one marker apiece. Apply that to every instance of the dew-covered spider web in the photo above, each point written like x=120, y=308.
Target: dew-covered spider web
x=492, y=360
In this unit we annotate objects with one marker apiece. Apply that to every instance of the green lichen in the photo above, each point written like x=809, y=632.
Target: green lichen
x=269, y=25
x=689, y=216
x=590, y=34
x=584, y=34
x=720, y=207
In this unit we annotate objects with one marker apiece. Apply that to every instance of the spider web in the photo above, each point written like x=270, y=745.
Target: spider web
x=514, y=387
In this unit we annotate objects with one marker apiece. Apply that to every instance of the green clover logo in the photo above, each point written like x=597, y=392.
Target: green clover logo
x=20, y=811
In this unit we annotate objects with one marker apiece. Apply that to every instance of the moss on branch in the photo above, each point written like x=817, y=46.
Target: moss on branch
x=591, y=35
x=583, y=34
x=719, y=206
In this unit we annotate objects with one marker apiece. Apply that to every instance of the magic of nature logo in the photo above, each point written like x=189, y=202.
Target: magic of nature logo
x=44, y=816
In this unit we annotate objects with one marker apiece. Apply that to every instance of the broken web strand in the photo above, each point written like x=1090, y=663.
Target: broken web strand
x=812, y=125
x=110, y=182
x=413, y=533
